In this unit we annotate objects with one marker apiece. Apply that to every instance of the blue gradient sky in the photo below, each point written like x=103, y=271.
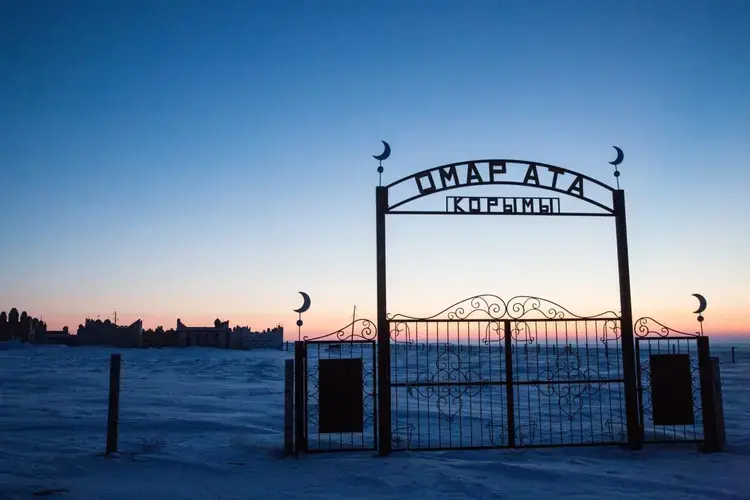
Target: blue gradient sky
x=200, y=159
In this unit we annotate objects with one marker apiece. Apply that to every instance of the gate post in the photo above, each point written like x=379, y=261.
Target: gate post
x=628, y=347
x=711, y=440
x=384, y=336
x=300, y=394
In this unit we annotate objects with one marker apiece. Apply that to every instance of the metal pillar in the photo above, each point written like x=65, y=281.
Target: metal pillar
x=628, y=347
x=384, y=339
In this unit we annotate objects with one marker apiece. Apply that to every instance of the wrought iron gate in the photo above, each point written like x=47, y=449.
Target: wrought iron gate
x=669, y=382
x=337, y=404
x=486, y=373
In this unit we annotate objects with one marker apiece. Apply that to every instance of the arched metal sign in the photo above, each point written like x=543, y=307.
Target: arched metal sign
x=556, y=181
x=562, y=192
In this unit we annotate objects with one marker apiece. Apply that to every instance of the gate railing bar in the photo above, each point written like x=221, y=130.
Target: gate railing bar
x=509, y=391
x=515, y=382
x=489, y=319
x=339, y=342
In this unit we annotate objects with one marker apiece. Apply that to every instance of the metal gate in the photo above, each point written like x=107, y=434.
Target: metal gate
x=486, y=373
x=336, y=407
x=670, y=363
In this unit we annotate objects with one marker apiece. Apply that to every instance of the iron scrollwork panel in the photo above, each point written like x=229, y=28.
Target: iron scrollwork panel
x=649, y=348
x=317, y=439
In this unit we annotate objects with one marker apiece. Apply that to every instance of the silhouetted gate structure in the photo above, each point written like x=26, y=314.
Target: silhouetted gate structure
x=522, y=367
x=486, y=373
x=489, y=373
x=675, y=386
x=336, y=396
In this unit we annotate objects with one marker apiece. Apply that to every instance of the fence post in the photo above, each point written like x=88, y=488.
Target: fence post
x=288, y=407
x=711, y=441
x=300, y=355
x=113, y=414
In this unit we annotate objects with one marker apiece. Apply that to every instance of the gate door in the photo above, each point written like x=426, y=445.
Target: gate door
x=486, y=373
x=669, y=384
x=340, y=411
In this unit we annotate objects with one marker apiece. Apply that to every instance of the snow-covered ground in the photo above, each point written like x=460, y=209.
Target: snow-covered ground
x=206, y=423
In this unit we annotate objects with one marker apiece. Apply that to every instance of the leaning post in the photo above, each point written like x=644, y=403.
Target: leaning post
x=626, y=308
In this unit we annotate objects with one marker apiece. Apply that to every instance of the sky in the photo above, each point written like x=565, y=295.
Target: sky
x=200, y=159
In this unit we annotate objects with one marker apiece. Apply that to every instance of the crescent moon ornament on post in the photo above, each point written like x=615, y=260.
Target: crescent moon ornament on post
x=382, y=156
x=702, y=304
x=304, y=307
x=616, y=162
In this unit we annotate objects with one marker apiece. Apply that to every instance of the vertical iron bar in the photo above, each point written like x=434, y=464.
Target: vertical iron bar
x=628, y=348
x=374, y=395
x=640, y=389
x=384, y=339
x=509, y=386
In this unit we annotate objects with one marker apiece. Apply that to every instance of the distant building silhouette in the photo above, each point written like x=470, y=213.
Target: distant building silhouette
x=20, y=327
x=98, y=332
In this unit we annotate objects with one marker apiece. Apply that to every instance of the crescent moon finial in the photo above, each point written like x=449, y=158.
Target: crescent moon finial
x=701, y=303
x=385, y=154
x=620, y=157
x=305, y=303
x=382, y=156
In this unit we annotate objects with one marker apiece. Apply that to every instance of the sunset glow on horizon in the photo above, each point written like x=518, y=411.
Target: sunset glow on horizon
x=202, y=161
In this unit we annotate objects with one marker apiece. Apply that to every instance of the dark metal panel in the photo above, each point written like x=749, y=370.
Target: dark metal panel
x=341, y=400
x=671, y=389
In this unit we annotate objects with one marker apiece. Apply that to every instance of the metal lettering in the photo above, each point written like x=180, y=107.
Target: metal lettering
x=475, y=206
x=496, y=167
x=422, y=189
x=450, y=175
x=555, y=172
x=528, y=203
x=531, y=175
x=492, y=202
x=502, y=205
x=456, y=207
x=472, y=174
x=546, y=205
x=576, y=188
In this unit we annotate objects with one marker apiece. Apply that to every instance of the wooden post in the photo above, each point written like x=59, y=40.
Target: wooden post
x=288, y=407
x=113, y=414
x=384, y=337
x=626, y=311
x=733, y=361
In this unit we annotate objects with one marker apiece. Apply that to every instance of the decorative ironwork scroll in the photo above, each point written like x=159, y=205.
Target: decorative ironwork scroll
x=449, y=381
x=498, y=433
x=492, y=307
x=649, y=327
x=566, y=380
x=358, y=330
